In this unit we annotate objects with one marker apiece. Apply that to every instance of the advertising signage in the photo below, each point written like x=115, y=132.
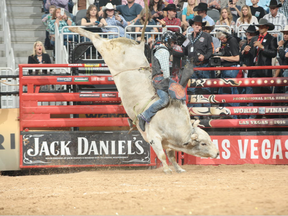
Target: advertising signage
x=83, y=148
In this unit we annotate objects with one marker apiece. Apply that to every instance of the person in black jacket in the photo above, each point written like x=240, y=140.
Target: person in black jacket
x=39, y=56
x=262, y=48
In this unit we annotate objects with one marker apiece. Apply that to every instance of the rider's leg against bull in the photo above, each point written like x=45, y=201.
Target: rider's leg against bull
x=147, y=115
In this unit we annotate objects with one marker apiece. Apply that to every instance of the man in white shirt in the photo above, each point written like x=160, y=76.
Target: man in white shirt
x=276, y=17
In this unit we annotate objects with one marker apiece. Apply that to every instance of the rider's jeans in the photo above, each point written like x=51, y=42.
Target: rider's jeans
x=157, y=105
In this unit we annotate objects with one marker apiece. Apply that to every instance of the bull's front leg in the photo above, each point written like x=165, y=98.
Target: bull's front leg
x=156, y=144
x=171, y=157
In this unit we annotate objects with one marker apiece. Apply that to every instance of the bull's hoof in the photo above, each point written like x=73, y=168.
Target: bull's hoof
x=167, y=171
x=180, y=170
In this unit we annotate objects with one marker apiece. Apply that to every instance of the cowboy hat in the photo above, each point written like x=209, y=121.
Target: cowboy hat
x=170, y=7
x=274, y=4
x=285, y=29
x=108, y=6
x=197, y=18
x=201, y=7
x=264, y=22
x=251, y=29
x=208, y=26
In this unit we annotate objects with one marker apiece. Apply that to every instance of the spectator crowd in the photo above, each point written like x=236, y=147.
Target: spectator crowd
x=230, y=35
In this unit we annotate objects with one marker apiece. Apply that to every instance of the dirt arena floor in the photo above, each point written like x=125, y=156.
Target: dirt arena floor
x=202, y=190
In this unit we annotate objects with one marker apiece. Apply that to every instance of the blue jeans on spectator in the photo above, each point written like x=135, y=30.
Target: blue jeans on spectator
x=201, y=75
x=157, y=105
x=229, y=90
x=45, y=10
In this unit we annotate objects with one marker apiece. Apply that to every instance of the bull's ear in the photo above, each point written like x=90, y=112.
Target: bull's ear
x=194, y=136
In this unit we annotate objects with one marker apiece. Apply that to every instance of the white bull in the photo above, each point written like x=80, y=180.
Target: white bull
x=170, y=128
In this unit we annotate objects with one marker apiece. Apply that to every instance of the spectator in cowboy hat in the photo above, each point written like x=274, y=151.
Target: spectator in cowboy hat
x=170, y=19
x=201, y=9
x=276, y=17
x=247, y=60
x=262, y=49
x=283, y=53
x=198, y=47
x=208, y=29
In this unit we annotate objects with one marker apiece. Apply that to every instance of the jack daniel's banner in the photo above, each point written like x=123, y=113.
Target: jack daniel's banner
x=83, y=148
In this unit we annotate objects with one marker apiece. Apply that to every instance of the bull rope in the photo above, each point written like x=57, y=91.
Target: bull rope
x=140, y=68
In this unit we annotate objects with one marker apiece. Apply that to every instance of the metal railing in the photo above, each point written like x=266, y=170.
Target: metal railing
x=62, y=50
x=243, y=27
x=9, y=53
x=213, y=33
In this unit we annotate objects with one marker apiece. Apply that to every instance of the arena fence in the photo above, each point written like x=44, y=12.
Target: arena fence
x=71, y=146
x=74, y=147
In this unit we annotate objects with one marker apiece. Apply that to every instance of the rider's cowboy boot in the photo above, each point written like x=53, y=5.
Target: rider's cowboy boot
x=142, y=122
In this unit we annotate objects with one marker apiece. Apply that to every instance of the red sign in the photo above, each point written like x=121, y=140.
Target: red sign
x=246, y=150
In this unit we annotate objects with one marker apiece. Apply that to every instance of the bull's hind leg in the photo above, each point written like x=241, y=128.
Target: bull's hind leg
x=158, y=149
x=84, y=33
x=171, y=157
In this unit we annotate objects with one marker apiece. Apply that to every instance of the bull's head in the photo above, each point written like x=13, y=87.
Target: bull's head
x=200, y=143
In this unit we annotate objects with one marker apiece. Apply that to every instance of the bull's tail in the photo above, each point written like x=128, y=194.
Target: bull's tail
x=146, y=19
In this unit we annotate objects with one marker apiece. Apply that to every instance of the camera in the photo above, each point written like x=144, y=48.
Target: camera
x=97, y=22
x=231, y=1
x=215, y=61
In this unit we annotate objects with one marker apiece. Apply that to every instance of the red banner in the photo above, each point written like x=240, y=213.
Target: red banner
x=252, y=149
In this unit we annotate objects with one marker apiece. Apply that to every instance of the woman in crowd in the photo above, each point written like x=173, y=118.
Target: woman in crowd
x=61, y=21
x=112, y=19
x=150, y=21
x=39, y=56
x=156, y=9
x=245, y=18
x=226, y=18
x=188, y=13
x=45, y=21
x=92, y=18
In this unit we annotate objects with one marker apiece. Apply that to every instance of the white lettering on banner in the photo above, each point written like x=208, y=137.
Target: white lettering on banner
x=266, y=153
x=130, y=148
x=44, y=148
x=225, y=145
x=93, y=148
x=254, y=149
x=215, y=141
x=104, y=147
x=286, y=146
x=243, y=150
x=64, y=148
x=48, y=150
x=277, y=149
x=80, y=147
x=120, y=146
x=109, y=147
x=139, y=147
x=113, y=147
x=52, y=148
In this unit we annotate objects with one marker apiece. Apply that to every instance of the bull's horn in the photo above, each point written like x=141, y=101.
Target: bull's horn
x=194, y=136
x=195, y=123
